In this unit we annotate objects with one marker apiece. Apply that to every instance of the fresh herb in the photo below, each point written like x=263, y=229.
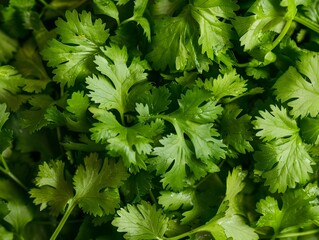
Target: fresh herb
x=164, y=119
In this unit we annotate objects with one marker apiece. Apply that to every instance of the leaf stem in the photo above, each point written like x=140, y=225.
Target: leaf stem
x=5, y=169
x=65, y=217
x=307, y=22
x=297, y=234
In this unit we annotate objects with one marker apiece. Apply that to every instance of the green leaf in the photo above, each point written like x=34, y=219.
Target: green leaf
x=259, y=29
x=230, y=84
x=33, y=118
x=182, y=51
x=8, y=46
x=283, y=160
x=29, y=62
x=195, y=119
x=131, y=143
x=10, y=87
x=172, y=159
x=215, y=33
x=53, y=190
x=78, y=105
x=141, y=222
x=4, y=116
x=309, y=130
x=72, y=55
x=299, y=202
x=113, y=90
x=107, y=8
x=229, y=221
x=96, y=185
x=20, y=211
x=22, y=4
x=138, y=12
x=275, y=124
x=299, y=86
x=235, y=130
x=6, y=235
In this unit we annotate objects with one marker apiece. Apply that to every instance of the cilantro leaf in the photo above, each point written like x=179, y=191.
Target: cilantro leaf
x=113, y=92
x=29, y=62
x=215, y=33
x=108, y=8
x=53, y=190
x=7, y=47
x=5, y=234
x=5, y=134
x=10, y=87
x=20, y=212
x=138, y=12
x=96, y=185
x=141, y=222
x=181, y=52
x=80, y=39
x=275, y=124
x=229, y=221
x=33, y=118
x=75, y=116
x=131, y=143
x=283, y=160
x=4, y=116
x=236, y=130
x=299, y=86
x=309, y=130
x=298, y=202
x=258, y=30
x=195, y=119
x=230, y=84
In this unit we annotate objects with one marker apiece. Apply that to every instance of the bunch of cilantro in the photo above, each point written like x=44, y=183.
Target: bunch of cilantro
x=159, y=119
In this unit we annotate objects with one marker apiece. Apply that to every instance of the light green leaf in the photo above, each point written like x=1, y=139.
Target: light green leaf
x=108, y=8
x=299, y=86
x=215, y=33
x=281, y=216
x=283, y=159
x=11, y=83
x=275, y=124
x=141, y=222
x=236, y=131
x=113, y=90
x=53, y=190
x=230, y=84
x=258, y=30
x=96, y=185
x=72, y=56
x=131, y=143
x=4, y=116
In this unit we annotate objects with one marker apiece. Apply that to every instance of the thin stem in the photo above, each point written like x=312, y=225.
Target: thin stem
x=282, y=34
x=307, y=22
x=65, y=217
x=297, y=234
x=5, y=169
x=187, y=234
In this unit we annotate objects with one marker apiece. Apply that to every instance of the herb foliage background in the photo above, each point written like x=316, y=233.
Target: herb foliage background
x=162, y=119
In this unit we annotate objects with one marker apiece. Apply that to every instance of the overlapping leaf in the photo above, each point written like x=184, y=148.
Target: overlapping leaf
x=80, y=39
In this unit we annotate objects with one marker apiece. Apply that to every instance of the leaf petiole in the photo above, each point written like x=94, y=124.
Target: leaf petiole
x=71, y=206
x=5, y=169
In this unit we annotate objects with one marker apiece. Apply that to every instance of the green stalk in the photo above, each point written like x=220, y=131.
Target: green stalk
x=5, y=169
x=307, y=22
x=65, y=217
x=297, y=234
